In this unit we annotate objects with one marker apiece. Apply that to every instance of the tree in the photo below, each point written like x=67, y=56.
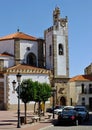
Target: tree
x=42, y=93
x=34, y=91
x=26, y=93
x=46, y=89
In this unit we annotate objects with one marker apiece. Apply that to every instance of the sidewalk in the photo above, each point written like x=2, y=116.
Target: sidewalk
x=8, y=121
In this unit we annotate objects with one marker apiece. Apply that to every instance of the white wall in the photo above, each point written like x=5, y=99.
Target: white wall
x=76, y=92
x=7, y=46
x=35, y=77
x=23, y=49
x=61, y=59
x=8, y=61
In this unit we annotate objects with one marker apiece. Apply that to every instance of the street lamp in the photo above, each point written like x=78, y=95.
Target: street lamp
x=53, y=94
x=18, y=76
x=25, y=84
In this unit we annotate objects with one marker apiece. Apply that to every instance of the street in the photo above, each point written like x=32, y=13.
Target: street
x=84, y=126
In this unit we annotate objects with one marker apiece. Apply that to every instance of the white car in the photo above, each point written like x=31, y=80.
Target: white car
x=58, y=110
x=69, y=107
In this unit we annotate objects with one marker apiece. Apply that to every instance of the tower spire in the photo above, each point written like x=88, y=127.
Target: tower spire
x=56, y=15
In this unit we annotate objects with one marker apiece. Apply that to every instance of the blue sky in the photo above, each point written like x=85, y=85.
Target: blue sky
x=34, y=16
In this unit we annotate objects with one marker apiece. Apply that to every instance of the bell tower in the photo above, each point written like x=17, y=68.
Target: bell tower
x=56, y=38
x=57, y=56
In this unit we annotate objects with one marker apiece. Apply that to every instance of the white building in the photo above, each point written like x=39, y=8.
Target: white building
x=35, y=58
x=80, y=90
x=19, y=53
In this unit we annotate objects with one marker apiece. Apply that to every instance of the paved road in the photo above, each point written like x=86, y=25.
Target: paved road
x=83, y=126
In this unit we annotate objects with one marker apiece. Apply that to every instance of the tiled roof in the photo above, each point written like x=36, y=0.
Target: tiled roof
x=18, y=35
x=6, y=54
x=81, y=78
x=23, y=68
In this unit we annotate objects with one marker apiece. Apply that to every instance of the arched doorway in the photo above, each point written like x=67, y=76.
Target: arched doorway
x=31, y=59
x=63, y=101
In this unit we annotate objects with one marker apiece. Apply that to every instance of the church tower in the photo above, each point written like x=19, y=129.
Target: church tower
x=57, y=57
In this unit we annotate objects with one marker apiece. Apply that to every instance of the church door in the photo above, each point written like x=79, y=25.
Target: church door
x=62, y=101
x=31, y=59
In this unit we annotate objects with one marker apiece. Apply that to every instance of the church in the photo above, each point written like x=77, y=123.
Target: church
x=42, y=60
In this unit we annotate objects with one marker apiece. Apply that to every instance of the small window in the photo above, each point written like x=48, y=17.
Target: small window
x=60, y=48
x=83, y=101
x=28, y=48
x=83, y=89
x=50, y=50
x=83, y=98
x=90, y=88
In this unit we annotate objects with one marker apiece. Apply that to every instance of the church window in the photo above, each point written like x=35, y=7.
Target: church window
x=60, y=49
x=28, y=48
x=31, y=59
x=50, y=50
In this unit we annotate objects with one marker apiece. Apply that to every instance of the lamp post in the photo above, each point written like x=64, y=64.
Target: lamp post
x=25, y=86
x=53, y=94
x=18, y=76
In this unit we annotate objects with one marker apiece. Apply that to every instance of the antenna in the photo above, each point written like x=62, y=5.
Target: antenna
x=18, y=29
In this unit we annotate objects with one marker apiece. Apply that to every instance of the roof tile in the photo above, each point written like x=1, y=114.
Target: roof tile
x=18, y=35
x=81, y=78
x=23, y=68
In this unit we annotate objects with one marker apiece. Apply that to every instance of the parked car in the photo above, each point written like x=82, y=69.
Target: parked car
x=68, y=107
x=68, y=116
x=58, y=110
x=50, y=109
x=83, y=112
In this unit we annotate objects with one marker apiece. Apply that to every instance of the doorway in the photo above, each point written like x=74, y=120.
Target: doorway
x=63, y=101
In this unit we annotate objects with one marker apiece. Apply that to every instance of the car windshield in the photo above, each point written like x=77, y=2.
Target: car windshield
x=68, y=111
x=79, y=109
x=59, y=107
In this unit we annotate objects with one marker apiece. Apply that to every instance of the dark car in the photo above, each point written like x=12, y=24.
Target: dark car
x=50, y=110
x=83, y=112
x=68, y=116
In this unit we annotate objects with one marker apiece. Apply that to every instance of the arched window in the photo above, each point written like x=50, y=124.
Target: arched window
x=60, y=49
x=31, y=59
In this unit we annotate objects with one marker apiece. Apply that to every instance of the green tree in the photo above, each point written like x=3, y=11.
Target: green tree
x=34, y=91
x=46, y=93
x=42, y=93
x=26, y=93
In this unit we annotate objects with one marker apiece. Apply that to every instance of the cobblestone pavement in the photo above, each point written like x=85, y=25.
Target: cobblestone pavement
x=8, y=121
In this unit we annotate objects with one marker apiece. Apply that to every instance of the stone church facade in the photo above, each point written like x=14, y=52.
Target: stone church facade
x=57, y=56
x=42, y=60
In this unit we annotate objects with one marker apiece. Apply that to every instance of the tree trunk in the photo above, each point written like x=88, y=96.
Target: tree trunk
x=39, y=109
x=25, y=112
x=44, y=109
x=34, y=107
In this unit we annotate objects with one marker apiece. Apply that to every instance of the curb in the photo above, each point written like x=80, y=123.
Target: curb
x=45, y=127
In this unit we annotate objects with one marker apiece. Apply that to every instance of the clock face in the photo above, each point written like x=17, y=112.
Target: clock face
x=63, y=23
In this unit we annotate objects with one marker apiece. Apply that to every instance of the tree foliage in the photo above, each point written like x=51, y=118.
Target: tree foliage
x=34, y=91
